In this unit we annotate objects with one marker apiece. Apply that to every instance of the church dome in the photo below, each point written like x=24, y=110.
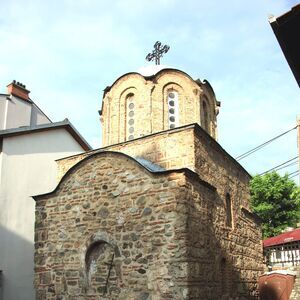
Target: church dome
x=154, y=99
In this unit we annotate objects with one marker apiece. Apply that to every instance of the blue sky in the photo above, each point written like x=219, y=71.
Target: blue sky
x=67, y=52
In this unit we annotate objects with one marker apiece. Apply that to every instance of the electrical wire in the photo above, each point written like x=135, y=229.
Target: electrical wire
x=291, y=164
x=238, y=158
x=295, y=173
x=281, y=166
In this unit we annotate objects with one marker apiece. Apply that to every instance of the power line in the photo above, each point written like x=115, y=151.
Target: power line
x=295, y=173
x=263, y=145
x=282, y=165
x=291, y=164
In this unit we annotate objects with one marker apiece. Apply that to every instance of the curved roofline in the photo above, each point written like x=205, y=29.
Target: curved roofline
x=205, y=81
x=163, y=172
x=283, y=238
x=108, y=88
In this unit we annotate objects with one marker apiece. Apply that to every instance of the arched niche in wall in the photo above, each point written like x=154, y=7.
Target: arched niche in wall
x=173, y=101
x=225, y=276
x=206, y=114
x=229, y=219
x=102, y=268
x=105, y=120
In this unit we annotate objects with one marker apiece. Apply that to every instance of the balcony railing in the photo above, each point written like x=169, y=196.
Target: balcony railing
x=285, y=255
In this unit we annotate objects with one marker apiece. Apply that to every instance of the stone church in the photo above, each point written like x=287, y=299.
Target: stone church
x=161, y=211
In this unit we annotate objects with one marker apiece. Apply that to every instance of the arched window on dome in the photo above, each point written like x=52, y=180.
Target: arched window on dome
x=205, y=119
x=130, y=111
x=173, y=108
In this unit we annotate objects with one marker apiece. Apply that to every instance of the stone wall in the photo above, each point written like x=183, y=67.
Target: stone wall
x=113, y=230
x=218, y=168
x=170, y=149
x=110, y=219
x=222, y=238
x=185, y=147
x=223, y=262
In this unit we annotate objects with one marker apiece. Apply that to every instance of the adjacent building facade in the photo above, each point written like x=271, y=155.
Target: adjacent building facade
x=160, y=212
x=29, y=145
x=283, y=250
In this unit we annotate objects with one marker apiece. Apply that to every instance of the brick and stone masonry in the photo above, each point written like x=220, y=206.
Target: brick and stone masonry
x=165, y=234
x=151, y=111
x=162, y=216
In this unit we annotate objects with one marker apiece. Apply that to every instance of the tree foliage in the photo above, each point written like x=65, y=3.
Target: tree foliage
x=276, y=200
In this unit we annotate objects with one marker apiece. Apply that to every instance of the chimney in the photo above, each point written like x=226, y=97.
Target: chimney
x=18, y=89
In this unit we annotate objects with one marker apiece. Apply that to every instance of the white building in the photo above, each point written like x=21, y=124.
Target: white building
x=29, y=145
x=283, y=251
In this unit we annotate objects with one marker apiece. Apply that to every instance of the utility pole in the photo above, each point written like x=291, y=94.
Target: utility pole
x=298, y=139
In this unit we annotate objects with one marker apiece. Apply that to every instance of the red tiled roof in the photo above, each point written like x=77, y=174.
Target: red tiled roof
x=287, y=237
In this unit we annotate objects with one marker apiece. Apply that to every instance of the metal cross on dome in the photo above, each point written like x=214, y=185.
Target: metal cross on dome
x=157, y=53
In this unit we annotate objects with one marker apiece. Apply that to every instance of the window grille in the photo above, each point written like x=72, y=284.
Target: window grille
x=173, y=109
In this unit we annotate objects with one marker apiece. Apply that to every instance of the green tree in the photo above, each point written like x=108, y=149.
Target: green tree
x=276, y=200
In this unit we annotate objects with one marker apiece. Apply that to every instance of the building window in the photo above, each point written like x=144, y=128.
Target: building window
x=228, y=211
x=130, y=117
x=173, y=113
